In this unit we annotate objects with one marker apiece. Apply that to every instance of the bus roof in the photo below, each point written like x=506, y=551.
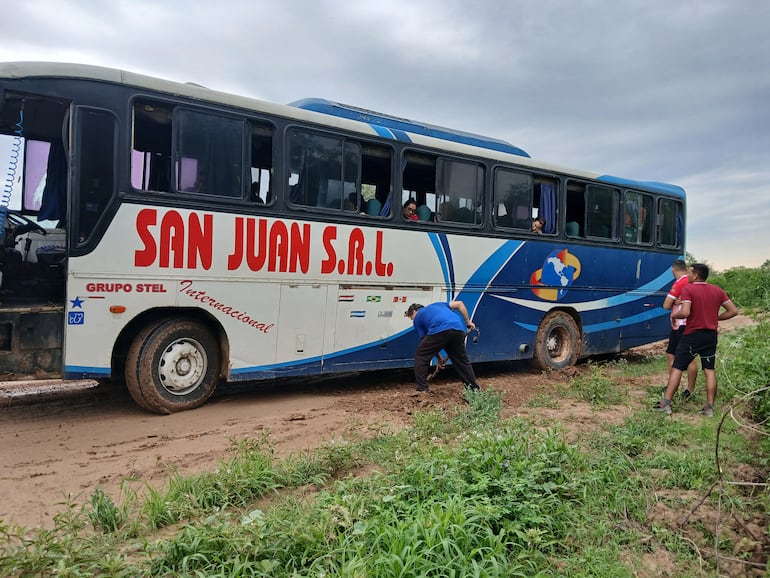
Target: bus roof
x=378, y=119
x=345, y=116
x=653, y=186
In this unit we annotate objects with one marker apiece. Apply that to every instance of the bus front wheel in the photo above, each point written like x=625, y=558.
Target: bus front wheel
x=172, y=366
x=557, y=343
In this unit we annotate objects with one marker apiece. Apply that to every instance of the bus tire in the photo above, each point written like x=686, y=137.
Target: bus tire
x=172, y=366
x=557, y=342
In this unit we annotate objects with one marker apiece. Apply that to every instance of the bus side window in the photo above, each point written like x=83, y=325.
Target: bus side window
x=602, y=203
x=314, y=162
x=209, y=153
x=637, y=222
x=513, y=199
x=96, y=170
x=261, y=163
x=461, y=184
x=329, y=173
x=576, y=209
x=670, y=223
x=151, y=166
x=375, y=182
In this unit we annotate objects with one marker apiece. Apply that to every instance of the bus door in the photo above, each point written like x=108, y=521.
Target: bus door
x=301, y=317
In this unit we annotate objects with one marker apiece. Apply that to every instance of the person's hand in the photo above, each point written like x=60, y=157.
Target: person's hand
x=470, y=325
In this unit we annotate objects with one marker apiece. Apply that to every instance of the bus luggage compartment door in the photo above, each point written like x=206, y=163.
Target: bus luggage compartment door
x=301, y=315
x=367, y=319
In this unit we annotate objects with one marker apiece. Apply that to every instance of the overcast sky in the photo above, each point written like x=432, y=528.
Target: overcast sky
x=674, y=91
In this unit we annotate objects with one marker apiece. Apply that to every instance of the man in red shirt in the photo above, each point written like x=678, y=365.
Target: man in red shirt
x=701, y=306
x=679, y=270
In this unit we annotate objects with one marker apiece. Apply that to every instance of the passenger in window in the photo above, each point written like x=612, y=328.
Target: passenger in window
x=630, y=230
x=538, y=224
x=351, y=203
x=199, y=186
x=410, y=210
x=444, y=212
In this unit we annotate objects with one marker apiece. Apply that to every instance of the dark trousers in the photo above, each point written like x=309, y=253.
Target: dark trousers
x=451, y=341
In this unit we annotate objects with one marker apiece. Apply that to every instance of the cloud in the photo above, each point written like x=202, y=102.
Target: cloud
x=650, y=90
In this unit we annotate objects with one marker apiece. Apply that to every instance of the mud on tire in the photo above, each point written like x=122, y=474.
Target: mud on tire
x=172, y=365
x=557, y=342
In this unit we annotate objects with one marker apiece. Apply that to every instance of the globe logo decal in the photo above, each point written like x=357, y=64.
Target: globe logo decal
x=559, y=271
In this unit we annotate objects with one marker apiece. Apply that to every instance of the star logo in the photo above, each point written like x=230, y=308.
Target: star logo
x=77, y=302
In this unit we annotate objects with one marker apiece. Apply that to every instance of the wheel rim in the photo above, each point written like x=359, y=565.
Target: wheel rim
x=182, y=366
x=556, y=344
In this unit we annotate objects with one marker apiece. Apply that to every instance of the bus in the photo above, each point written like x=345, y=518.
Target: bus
x=175, y=238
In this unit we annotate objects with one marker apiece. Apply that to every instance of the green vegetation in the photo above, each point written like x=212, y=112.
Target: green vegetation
x=749, y=370
x=748, y=288
x=460, y=493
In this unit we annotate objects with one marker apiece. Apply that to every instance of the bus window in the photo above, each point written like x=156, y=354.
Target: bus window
x=261, y=163
x=521, y=197
x=151, y=147
x=376, y=173
x=349, y=193
x=96, y=171
x=418, y=180
x=324, y=171
x=670, y=223
x=602, y=212
x=637, y=221
x=575, y=219
x=209, y=154
x=459, y=186
x=513, y=199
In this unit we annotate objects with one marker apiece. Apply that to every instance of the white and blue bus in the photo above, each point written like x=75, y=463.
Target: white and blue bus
x=177, y=237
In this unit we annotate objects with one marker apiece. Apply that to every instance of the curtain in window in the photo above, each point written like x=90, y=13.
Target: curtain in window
x=548, y=206
x=54, y=204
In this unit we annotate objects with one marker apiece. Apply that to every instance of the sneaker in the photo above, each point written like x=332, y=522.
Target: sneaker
x=426, y=390
x=473, y=388
x=663, y=406
x=707, y=411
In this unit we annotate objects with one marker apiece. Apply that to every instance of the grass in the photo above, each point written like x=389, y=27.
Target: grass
x=460, y=493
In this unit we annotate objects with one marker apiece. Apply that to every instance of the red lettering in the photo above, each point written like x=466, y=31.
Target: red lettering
x=259, y=242
x=279, y=250
x=110, y=287
x=199, y=241
x=197, y=235
x=327, y=237
x=185, y=288
x=381, y=269
x=284, y=249
x=356, y=252
x=172, y=239
x=144, y=220
x=235, y=259
x=300, y=248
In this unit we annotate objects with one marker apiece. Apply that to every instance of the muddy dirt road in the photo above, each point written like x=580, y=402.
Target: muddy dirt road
x=67, y=446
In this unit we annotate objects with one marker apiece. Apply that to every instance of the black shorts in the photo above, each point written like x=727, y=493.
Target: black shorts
x=673, y=339
x=702, y=342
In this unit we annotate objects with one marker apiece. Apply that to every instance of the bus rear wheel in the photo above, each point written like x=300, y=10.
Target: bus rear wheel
x=557, y=342
x=172, y=366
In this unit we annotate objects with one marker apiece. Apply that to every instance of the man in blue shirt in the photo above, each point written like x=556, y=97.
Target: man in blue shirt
x=439, y=327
